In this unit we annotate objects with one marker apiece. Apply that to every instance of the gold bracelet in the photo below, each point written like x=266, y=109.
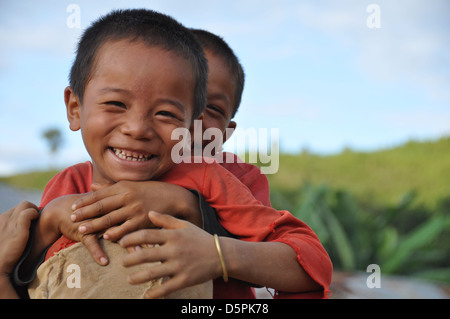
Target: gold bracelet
x=222, y=261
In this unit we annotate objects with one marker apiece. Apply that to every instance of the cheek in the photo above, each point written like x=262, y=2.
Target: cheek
x=169, y=143
x=94, y=127
x=98, y=119
x=211, y=122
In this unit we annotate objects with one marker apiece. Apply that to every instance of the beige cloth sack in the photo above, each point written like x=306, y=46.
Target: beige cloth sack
x=72, y=273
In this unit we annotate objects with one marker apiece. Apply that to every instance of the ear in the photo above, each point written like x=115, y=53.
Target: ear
x=230, y=129
x=73, y=108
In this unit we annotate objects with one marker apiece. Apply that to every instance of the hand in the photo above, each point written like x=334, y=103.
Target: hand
x=121, y=208
x=56, y=220
x=188, y=254
x=14, y=234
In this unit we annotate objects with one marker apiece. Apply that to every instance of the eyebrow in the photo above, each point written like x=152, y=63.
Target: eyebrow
x=114, y=90
x=219, y=96
x=175, y=103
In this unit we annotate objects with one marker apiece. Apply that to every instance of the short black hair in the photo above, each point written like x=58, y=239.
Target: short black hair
x=218, y=46
x=151, y=27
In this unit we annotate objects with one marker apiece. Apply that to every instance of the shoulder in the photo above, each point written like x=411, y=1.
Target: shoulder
x=75, y=179
x=238, y=167
x=77, y=172
x=192, y=168
x=250, y=175
x=198, y=173
x=245, y=172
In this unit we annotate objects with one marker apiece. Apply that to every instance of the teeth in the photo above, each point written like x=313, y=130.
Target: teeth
x=130, y=157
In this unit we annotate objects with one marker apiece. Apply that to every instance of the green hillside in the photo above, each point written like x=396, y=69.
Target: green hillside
x=380, y=177
x=30, y=180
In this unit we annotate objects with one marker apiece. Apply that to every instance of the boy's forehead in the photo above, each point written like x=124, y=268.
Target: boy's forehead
x=134, y=67
x=115, y=53
x=138, y=58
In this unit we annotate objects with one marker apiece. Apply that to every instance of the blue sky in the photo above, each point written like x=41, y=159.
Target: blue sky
x=315, y=71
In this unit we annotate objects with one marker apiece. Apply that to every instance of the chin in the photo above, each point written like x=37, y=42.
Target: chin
x=134, y=177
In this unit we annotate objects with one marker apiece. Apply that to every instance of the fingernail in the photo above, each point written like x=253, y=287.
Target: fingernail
x=74, y=206
x=105, y=236
x=103, y=261
x=82, y=229
x=73, y=217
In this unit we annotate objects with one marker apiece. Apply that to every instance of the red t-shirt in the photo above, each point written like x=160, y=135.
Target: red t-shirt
x=238, y=212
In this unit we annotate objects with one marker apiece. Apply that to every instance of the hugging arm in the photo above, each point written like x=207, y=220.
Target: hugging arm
x=123, y=207
x=14, y=233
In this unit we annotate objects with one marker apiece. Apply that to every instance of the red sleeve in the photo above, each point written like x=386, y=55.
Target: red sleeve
x=248, y=219
x=76, y=179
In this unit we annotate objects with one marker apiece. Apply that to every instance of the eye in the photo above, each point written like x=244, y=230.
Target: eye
x=215, y=109
x=116, y=103
x=166, y=114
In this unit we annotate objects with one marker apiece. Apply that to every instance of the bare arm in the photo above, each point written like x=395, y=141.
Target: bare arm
x=190, y=257
x=270, y=264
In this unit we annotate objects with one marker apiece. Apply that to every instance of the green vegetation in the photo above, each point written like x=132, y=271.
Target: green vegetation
x=390, y=207
x=32, y=180
x=402, y=239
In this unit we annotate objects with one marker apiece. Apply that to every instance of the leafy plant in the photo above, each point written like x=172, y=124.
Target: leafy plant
x=401, y=239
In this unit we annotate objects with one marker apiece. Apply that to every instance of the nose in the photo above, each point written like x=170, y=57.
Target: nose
x=138, y=127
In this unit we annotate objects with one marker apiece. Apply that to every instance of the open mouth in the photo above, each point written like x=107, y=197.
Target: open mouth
x=131, y=155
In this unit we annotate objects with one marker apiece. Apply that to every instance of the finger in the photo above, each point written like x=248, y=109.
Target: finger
x=97, y=186
x=92, y=197
x=144, y=255
x=101, y=223
x=117, y=232
x=26, y=216
x=131, y=249
x=150, y=273
x=165, y=221
x=92, y=244
x=141, y=255
x=101, y=206
x=24, y=205
x=173, y=284
x=22, y=219
x=11, y=213
x=143, y=236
